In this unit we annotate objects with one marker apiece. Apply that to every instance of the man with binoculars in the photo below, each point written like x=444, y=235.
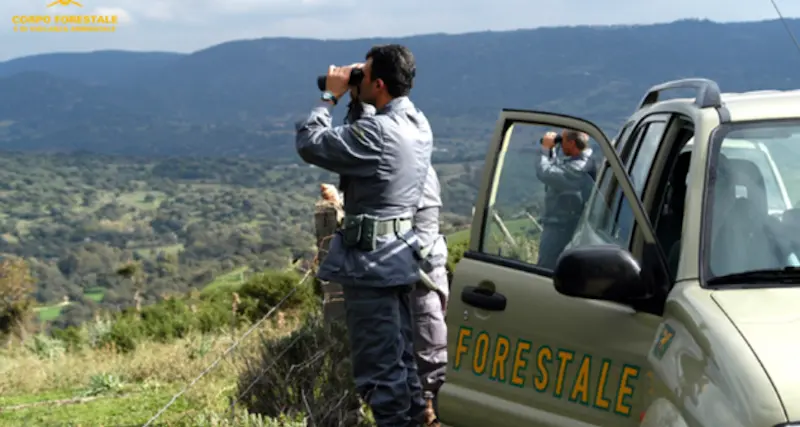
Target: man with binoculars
x=383, y=161
x=430, y=295
x=568, y=182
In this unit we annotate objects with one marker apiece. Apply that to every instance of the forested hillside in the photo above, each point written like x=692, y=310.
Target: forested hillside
x=78, y=218
x=241, y=98
x=186, y=163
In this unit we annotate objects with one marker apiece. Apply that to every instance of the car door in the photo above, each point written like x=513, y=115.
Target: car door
x=520, y=353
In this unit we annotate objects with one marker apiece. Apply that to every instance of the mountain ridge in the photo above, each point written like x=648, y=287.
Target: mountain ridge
x=241, y=97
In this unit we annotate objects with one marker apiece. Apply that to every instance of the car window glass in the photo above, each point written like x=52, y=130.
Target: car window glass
x=618, y=221
x=622, y=138
x=612, y=217
x=645, y=154
x=761, y=167
x=750, y=220
x=539, y=198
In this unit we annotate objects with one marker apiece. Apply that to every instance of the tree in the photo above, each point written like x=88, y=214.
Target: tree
x=134, y=272
x=16, y=303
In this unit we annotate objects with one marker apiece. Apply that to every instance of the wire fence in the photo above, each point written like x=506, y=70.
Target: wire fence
x=230, y=349
x=313, y=353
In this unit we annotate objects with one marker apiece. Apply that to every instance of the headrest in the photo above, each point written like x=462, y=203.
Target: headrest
x=724, y=187
x=746, y=169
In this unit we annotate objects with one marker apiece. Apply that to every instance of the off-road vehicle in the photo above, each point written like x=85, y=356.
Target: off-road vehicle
x=676, y=302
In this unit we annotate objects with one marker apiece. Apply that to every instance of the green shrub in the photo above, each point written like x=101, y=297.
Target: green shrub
x=124, y=334
x=308, y=369
x=455, y=251
x=73, y=338
x=167, y=320
x=214, y=312
x=264, y=291
x=207, y=313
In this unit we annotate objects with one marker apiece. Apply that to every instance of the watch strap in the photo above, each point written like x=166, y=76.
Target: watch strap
x=329, y=96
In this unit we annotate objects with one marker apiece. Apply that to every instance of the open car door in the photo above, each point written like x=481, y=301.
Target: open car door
x=521, y=352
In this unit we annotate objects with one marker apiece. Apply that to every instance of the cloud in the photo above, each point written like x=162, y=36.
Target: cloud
x=188, y=25
x=123, y=17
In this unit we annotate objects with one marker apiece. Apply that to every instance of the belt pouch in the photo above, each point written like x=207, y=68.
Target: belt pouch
x=351, y=230
x=369, y=233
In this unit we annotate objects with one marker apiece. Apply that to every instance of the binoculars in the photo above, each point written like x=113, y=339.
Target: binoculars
x=557, y=140
x=356, y=75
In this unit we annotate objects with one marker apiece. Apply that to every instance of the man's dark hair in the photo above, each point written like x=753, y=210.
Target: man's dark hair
x=581, y=139
x=394, y=64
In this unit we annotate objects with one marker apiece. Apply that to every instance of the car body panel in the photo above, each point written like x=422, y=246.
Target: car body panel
x=769, y=319
x=608, y=341
x=706, y=369
x=689, y=265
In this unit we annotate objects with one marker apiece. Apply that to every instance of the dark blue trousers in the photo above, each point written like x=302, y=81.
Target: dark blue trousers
x=379, y=326
x=553, y=240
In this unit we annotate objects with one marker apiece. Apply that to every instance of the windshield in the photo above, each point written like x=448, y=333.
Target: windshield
x=754, y=181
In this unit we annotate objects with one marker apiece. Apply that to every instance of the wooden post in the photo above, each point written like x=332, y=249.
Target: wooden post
x=328, y=214
x=138, y=301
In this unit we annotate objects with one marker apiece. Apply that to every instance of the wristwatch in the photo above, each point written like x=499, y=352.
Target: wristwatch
x=328, y=96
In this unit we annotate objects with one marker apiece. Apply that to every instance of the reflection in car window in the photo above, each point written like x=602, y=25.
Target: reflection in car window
x=759, y=155
x=536, y=208
x=750, y=219
x=615, y=219
x=611, y=219
x=646, y=153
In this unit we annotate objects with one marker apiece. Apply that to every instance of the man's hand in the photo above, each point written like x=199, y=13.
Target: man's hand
x=338, y=77
x=549, y=140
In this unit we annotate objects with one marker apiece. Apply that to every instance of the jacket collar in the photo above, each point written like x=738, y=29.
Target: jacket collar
x=585, y=154
x=396, y=104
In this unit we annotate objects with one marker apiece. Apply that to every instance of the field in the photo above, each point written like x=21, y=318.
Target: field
x=51, y=312
x=102, y=387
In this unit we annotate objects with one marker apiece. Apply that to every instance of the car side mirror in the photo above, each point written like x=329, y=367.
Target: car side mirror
x=602, y=272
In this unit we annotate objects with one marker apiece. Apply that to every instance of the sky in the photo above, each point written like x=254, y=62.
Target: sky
x=189, y=25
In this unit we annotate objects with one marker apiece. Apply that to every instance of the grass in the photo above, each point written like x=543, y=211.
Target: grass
x=51, y=312
x=124, y=389
x=230, y=281
x=515, y=227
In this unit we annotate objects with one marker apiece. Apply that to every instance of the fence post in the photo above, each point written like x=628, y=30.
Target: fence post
x=327, y=216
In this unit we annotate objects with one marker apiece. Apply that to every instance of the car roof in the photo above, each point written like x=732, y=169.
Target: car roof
x=757, y=105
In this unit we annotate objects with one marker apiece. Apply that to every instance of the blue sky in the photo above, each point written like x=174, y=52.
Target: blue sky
x=188, y=25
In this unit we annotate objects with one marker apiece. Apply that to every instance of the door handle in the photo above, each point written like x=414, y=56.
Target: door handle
x=486, y=299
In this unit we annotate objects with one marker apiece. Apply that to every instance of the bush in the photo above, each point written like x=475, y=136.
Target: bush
x=207, y=313
x=308, y=369
x=46, y=347
x=123, y=335
x=73, y=338
x=264, y=291
x=455, y=252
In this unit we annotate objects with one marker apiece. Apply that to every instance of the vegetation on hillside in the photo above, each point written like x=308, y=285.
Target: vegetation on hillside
x=184, y=222
x=123, y=278
x=121, y=368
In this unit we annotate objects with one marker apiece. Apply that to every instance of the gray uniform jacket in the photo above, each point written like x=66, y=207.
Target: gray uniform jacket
x=385, y=158
x=426, y=220
x=568, y=183
x=428, y=307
